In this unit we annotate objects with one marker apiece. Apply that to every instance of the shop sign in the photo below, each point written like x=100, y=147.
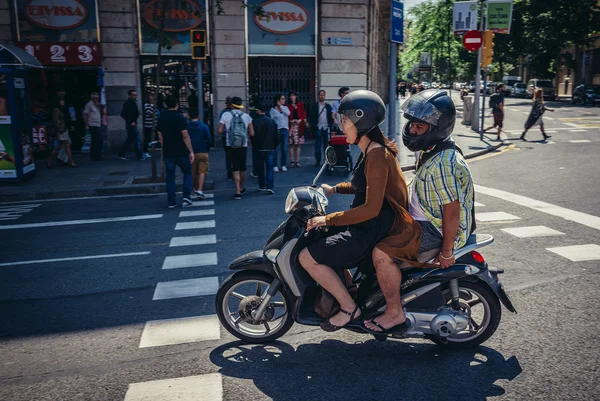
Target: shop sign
x=64, y=53
x=64, y=15
x=180, y=16
x=57, y=20
x=40, y=139
x=282, y=17
x=286, y=27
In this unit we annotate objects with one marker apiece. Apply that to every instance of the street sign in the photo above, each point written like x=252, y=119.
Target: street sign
x=465, y=16
x=397, y=31
x=425, y=59
x=338, y=41
x=472, y=40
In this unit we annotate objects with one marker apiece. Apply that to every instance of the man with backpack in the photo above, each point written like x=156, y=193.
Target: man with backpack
x=237, y=126
x=497, y=106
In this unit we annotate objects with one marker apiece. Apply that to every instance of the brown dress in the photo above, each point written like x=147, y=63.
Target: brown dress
x=385, y=181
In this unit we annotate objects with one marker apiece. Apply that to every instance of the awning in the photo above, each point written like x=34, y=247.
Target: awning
x=12, y=56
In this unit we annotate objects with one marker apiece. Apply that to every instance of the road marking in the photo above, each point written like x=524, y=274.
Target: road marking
x=193, y=213
x=180, y=331
x=18, y=207
x=549, y=118
x=533, y=231
x=578, y=253
x=550, y=132
x=203, y=203
x=513, y=109
x=526, y=112
x=580, y=141
x=477, y=204
x=16, y=211
x=495, y=216
x=193, y=287
x=195, y=224
x=9, y=218
x=578, y=130
x=191, y=388
x=567, y=214
x=573, y=125
x=114, y=255
x=80, y=222
x=195, y=260
x=193, y=240
x=207, y=196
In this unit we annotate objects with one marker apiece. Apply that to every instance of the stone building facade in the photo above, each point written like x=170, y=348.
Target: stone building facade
x=347, y=42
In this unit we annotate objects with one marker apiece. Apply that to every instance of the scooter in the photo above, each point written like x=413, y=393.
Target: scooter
x=457, y=307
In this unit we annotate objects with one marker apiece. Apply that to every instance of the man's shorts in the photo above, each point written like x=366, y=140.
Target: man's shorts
x=237, y=157
x=498, y=118
x=200, y=165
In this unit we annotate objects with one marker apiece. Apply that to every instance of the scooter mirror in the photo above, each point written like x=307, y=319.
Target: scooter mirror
x=330, y=156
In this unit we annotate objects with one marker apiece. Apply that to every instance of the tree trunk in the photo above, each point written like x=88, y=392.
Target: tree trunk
x=161, y=32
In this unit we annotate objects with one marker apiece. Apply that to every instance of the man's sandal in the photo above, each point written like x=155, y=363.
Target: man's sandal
x=329, y=327
x=397, y=329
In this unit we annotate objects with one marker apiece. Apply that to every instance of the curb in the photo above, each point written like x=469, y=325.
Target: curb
x=148, y=189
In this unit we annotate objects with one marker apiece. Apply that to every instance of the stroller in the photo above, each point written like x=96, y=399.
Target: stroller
x=342, y=151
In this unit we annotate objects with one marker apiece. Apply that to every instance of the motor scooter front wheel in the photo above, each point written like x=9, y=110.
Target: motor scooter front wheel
x=238, y=299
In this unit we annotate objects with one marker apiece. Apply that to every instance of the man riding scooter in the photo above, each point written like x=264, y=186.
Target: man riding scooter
x=441, y=198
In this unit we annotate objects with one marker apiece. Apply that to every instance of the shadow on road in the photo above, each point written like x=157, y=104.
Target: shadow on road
x=335, y=370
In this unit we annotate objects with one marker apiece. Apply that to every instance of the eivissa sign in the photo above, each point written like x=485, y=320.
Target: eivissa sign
x=58, y=15
x=282, y=17
x=186, y=16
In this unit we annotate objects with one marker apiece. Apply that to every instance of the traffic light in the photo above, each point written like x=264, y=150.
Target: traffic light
x=198, y=39
x=488, y=49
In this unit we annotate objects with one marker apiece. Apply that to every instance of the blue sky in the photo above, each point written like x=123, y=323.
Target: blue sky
x=408, y=4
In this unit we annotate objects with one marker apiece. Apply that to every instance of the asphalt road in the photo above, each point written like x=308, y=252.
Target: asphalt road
x=124, y=321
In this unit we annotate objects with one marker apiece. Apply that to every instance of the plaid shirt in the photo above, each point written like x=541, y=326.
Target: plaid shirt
x=441, y=180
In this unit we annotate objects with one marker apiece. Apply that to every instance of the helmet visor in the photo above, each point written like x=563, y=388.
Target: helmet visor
x=420, y=108
x=352, y=115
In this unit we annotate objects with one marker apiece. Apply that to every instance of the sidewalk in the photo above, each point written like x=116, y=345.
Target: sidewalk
x=117, y=177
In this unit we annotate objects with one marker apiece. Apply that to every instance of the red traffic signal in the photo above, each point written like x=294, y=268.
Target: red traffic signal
x=199, y=36
x=198, y=39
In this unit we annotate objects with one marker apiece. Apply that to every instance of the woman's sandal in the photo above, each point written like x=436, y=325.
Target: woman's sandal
x=397, y=329
x=327, y=326
x=298, y=164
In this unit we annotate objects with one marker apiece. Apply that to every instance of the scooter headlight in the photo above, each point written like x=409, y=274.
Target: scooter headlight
x=291, y=202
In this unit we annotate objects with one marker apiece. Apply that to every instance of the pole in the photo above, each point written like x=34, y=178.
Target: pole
x=392, y=92
x=449, y=65
x=200, y=90
x=483, y=107
x=475, y=126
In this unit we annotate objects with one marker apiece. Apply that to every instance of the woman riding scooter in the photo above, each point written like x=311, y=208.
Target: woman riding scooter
x=378, y=210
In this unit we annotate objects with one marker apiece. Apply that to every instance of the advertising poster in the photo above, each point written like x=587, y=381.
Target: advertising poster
x=7, y=153
x=288, y=27
x=180, y=17
x=465, y=16
x=499, y=15
x=57, y=20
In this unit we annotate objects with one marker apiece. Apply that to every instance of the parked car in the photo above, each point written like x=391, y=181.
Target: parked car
x=545, y=84
x=519, y=90
x=490, y=88
x=586, y=94
x=471, y=87
x=459, y=85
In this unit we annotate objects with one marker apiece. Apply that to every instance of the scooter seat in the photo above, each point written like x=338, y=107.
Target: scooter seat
x=423, y=257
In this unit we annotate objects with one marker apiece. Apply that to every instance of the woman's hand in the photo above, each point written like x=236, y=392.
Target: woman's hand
x=315, y=222
x=329, y=190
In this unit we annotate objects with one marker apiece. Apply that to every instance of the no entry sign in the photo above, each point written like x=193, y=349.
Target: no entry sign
x=472, y=40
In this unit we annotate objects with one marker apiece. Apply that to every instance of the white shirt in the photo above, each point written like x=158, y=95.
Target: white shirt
x=322, y=121
x=414, y=207
x=226, y=120
x=281, y=117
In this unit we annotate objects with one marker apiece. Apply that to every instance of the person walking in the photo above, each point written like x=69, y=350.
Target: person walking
x=297, y=128
x=200, y=138
x=177, y=151
x=321, y=122
x=61, y=118
x=497, y=105
x=237, y=126
x=227, y=109
x=342, y=92
x=265, y=141
x=130, y=113
x=92, y=117
x=280, y=114
x=538, y=108
x=149, y=114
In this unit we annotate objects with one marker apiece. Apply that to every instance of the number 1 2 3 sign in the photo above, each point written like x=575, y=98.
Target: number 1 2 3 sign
x=64, y=53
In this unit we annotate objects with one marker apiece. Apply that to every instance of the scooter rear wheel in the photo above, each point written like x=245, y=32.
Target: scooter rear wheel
x=240, y=295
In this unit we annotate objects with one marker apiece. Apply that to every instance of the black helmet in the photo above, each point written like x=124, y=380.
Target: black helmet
x=364, y=108
x=433, y=107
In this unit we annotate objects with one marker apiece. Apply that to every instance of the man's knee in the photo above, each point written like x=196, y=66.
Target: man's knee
x=380, y=258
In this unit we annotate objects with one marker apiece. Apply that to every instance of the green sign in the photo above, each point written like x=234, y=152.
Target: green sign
x=499, y=15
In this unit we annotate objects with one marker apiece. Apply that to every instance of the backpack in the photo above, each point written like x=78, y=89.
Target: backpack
x=494, y=101
x=237, y=133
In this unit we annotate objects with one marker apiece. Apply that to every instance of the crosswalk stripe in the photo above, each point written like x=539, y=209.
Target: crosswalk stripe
x=28, y=208
x=190, y=225
x=193, y=240
x=579, y=141
x=113, y=255
x=207, y=387
x=477, y=204
x=495, y=216
x=193, y=287
x=578, y=130
x=80, y=222
x=180, y=331
x=549, y=118
x=195, y=260
x=533, y=231
x=578, y=253
x=203, y=203
x=194, y=213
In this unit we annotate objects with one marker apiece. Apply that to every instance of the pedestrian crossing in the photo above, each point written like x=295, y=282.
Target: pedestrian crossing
x=14, y=212
x=192, y=329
